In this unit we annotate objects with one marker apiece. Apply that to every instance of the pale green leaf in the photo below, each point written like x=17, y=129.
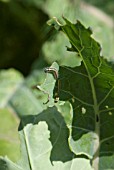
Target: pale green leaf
x=16, y=99
x=15, y=94
x=48, y=85
x=78, y=10
x=36, y=150
x=10, y=81
x=8, y=134
x=56, y=51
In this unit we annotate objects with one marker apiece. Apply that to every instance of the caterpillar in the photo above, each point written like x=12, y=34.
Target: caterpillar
x=53, y=71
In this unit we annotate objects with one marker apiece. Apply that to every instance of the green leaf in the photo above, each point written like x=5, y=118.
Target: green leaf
x=58, y=132
x=16, y=94
x=10, y=81
x=78, y=10
x=58, y=52
x=8, y=134
x=36, y=149
x=16, y=100
x=90, y=90
x=48, y=85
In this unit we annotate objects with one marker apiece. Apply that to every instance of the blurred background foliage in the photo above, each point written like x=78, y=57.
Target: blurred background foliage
x=23, y=29
x=105, y=5
x=28, y=44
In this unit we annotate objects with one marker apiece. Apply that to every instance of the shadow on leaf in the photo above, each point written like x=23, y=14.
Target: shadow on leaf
x=58, y=132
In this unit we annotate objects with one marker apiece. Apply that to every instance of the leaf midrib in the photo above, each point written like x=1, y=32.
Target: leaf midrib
x=27, y=149
x=97, y=124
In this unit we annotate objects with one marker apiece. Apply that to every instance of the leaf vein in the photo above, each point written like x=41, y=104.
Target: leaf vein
x=81, y=101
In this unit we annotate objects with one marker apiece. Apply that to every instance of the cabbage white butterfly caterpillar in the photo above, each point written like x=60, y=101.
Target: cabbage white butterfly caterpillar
x=53, y=71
